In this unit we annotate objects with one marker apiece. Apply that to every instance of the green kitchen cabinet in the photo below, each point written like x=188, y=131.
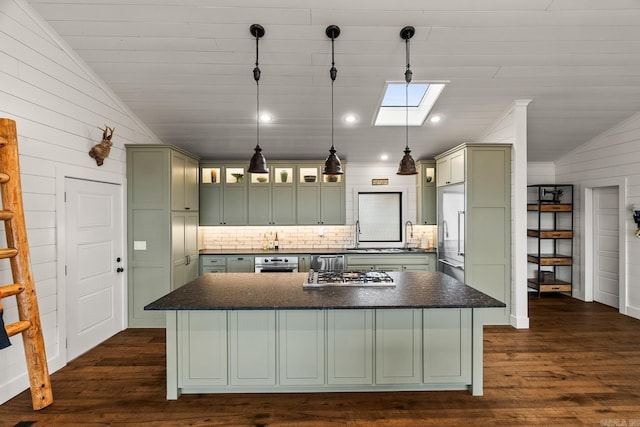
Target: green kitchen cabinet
x=487, y=220
x=162, y=226
x=415, y=262
x=301, y=335
x=203, y=335
x=272, y=196
x=252, y=347
x=240, y=264
x=184, y=250
x=184, y=182
x=427, y=192
x=450, y=167
x=291, y=193
x=223, y=194
x=213, y=264
x=350, y=347
x=321, y=198
x=398, y=346
x=304, y=263
x=447, y=346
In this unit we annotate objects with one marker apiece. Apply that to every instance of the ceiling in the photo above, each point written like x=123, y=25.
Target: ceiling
x=185, y=69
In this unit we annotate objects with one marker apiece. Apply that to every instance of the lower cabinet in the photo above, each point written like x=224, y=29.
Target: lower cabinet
x=226, y=264
x=447, y=345
x=396, y=262
x=398, y=346
x=240, y=264
x=252, y=347
x=350, y=347
x=330, y=350
x=302, y=347
x=203, y=343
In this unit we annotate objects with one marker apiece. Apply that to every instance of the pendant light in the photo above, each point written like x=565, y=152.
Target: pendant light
x=258, y=163
x=332, y=165
x=407, y=164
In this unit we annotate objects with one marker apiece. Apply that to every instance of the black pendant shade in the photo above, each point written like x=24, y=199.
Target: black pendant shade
x=258, y=163
x=407, y=164
x=332, y=165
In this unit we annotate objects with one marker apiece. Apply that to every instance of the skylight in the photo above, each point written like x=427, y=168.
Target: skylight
x=421, y=98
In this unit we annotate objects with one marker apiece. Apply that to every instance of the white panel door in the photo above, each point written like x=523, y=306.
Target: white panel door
x=94, y=263
x=606, y=279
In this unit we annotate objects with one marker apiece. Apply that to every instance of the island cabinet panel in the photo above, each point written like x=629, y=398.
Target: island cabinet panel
x=203, y=341
x=252, y=352
x=398, y=346
x=447, y=346
x=350, y=347
x=302, y=347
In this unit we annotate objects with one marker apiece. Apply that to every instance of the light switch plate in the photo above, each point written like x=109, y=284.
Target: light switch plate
x=139, y=245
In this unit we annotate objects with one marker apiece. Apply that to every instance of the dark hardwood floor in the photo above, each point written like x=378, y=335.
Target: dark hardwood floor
x=578, y=364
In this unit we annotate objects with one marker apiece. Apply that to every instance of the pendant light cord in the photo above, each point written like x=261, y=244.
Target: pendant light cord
x=256, y=76
x=332, y=73
x=407, y=79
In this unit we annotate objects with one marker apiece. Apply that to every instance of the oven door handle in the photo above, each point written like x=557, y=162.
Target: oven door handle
x=277, y=270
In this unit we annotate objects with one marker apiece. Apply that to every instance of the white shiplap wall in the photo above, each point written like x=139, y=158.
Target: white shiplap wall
x=58, y=105
x=541, y=173
x=612, y=157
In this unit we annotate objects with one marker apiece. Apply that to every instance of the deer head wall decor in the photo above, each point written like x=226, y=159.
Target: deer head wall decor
x=101, y=150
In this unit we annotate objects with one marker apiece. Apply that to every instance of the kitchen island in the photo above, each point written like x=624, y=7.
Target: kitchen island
x=247, y=332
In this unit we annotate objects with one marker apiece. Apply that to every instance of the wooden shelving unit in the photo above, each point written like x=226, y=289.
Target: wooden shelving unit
x=550, y=209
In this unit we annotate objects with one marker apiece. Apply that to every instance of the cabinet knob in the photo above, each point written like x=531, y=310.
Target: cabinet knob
x=119, y=270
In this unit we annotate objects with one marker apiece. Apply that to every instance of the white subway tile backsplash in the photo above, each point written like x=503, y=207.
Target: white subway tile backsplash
x=293, y=237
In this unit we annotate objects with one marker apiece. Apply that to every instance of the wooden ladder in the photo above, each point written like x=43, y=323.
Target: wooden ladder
x=17, y=252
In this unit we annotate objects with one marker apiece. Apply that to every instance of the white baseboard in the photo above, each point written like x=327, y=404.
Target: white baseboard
x=17, y=385
x=519, y=322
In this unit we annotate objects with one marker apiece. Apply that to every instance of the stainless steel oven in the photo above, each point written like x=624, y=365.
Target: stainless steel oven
x=276, y=264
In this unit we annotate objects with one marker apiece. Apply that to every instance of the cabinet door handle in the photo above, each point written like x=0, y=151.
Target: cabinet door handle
x=187, y=208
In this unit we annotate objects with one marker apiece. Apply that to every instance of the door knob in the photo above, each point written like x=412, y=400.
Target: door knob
x=119, y=269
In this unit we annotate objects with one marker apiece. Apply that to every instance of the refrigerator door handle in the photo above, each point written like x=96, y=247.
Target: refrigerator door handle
x=460, y=253
x=451, y=264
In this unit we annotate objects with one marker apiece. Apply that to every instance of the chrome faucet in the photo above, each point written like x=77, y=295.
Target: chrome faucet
x=357, y=233
x=406, y=237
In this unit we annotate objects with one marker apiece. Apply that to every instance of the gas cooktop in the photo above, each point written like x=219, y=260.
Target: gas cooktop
x=323, y=278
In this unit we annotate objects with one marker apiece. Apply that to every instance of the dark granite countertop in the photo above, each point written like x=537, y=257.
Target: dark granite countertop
x=252, y=291
x=303, y=251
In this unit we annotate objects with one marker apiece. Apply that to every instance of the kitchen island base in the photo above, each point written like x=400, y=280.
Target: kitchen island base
x=324, y=350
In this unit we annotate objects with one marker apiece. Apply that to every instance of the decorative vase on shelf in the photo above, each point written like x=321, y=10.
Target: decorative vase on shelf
x=284, y=175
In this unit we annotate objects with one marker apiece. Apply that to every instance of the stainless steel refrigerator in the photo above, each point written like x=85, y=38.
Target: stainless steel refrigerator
x=451, y=211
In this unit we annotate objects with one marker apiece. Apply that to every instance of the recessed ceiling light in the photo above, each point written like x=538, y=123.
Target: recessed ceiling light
x=435, y=119
x=265, y=117
x=350, y=118
x=384, y=157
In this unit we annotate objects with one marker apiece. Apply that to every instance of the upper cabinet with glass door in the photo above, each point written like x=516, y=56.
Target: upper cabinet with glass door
x=272, y=196
x=223, y=194
x=321, y=198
